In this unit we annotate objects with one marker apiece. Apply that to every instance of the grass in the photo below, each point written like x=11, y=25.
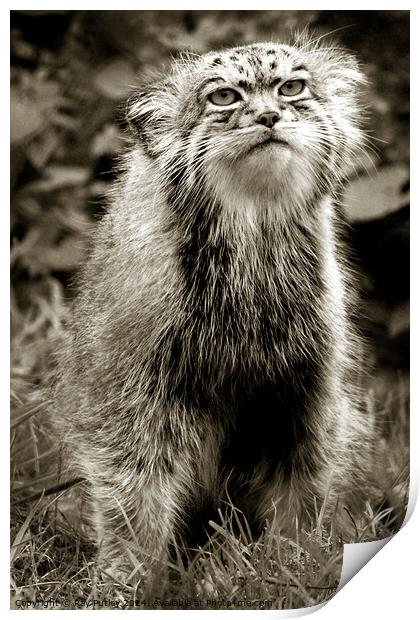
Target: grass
x=52, y=555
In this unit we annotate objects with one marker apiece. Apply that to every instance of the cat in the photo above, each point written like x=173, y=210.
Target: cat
x=211, y=353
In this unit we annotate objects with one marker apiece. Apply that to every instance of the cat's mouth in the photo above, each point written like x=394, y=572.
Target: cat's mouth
x=268, y=143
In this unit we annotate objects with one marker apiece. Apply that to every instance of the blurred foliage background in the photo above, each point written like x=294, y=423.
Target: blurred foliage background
x=71, y=71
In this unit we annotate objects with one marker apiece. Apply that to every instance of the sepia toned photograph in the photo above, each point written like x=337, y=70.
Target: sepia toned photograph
x=209, y=303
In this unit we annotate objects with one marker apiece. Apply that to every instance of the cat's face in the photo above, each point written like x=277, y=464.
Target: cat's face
x=256, y=119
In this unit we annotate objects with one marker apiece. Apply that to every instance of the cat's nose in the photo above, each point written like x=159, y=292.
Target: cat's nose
x=269, y=119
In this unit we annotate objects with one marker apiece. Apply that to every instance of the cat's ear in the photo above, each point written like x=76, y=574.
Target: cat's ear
x=143, y=108
x=151, y=106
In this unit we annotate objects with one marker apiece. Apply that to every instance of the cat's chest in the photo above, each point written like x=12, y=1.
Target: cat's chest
x=254, y=301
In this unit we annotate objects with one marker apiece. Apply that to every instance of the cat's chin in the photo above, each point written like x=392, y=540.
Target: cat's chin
x=259, y=175
x=265, y=165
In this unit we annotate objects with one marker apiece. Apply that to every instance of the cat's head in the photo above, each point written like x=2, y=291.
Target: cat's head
x=257, y=120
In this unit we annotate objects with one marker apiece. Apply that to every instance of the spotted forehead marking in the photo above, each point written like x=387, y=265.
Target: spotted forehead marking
x=254, y=65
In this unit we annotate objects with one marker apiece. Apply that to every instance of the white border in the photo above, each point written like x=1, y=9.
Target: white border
x=234, y=5
x=388, y=585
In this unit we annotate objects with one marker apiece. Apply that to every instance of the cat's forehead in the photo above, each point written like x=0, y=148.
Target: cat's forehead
x=255, y=64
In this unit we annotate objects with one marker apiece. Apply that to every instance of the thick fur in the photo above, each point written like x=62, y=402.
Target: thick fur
x=211, y=353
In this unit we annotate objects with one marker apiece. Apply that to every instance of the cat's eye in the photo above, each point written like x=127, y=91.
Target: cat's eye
x=224, y=96
x=292, y=88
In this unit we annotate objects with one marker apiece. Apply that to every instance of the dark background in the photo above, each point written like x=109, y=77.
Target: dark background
x=71, y=71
